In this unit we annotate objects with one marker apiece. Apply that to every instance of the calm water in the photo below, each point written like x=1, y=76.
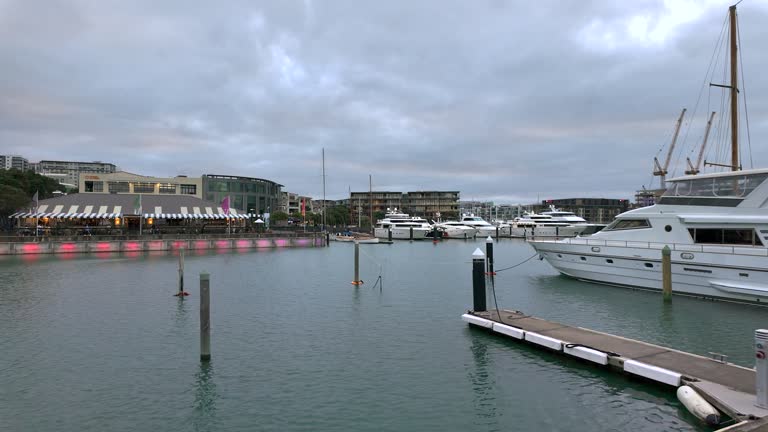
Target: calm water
x=98, y=343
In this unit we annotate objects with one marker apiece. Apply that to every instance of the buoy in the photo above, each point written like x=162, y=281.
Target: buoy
x=698, y=406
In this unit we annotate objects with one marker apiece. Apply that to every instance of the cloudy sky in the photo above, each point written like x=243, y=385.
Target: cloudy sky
x=501, y=100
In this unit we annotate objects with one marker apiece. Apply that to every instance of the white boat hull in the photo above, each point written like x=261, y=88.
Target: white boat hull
x=723, y=272
x=547, y=231
x=458, y=232
x=402, y=233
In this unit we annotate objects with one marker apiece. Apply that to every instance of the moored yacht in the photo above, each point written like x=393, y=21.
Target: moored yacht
x=715, y=224
x=541, y=225
x=485, y=229
x=558, y=215
x=402, y=226
x=456, y=229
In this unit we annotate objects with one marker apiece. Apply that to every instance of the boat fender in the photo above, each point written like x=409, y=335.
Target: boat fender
x=698, y=406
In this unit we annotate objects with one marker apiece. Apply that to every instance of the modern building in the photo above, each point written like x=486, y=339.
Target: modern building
x=426, y=204
x=290, y=202
x=122, y=182
x=246, y=194
x=647, y=197
x=68, y=172
x=13, y=162
x=594, y=210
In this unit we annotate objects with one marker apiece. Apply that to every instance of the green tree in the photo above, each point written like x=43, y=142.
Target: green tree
x=278, y=216
x=17, y=188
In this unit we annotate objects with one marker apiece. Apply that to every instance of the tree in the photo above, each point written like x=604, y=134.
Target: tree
x=278, y=216
x=379, y=215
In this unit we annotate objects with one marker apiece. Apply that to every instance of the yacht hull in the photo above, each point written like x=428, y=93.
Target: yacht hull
x=547, y=231
x=401, y=233
x=729, y=273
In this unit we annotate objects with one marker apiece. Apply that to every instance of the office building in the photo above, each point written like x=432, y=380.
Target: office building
x=122, y=182
x=68, y=172
x=246, y=194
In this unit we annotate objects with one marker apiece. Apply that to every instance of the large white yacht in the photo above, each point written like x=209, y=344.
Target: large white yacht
x=485, y=229
x=402, y=226
x=558, y=215
x=456, y=229
x=543, y=225
x=715, y=224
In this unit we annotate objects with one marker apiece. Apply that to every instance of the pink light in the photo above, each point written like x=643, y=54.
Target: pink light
x=302, y=242
x=281, y=242
x=156, y=245
x=263, y=243
x=131, y=246
x=68, y=247
x=201, y=244
x=222, y=244
x=133, y=254
x=31, y=248
x=103, y=246
x=178, y=244
x=243, y=243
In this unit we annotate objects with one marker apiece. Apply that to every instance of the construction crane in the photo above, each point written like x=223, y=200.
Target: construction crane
x=658, y=170
x=694, y=169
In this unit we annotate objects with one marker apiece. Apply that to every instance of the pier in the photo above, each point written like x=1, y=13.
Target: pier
x=728, y=387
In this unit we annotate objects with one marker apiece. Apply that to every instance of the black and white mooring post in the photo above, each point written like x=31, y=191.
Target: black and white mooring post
x=489, y=254
x=478, y=280
x=205, y=317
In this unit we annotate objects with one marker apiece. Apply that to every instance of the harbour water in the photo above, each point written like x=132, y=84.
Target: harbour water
x=98, y=342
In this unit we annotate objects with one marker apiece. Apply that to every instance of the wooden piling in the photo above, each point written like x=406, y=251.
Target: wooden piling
x=489, y=256
x=357, y=280
x=389, y=234
x=181, y=273
x=205, y=317
x=666, y=273
x=411, y=231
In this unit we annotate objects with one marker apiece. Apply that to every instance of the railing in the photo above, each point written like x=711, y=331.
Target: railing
x=723, y=249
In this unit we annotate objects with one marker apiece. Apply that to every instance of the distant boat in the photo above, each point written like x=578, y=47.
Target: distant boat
x=484, y=228
x=402, y=226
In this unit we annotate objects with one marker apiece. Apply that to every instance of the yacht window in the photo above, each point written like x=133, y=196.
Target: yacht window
x=733, y=186
x=727, y=236
x=625, y=224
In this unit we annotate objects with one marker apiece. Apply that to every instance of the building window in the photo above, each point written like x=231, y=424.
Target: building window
x=217, y=186
x=141, y=187
x=166, y=188
x=94, y=186
x=118, y=187
x=188, y=189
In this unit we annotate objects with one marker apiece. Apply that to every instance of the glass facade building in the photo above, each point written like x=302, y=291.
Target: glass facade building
x=246, y=194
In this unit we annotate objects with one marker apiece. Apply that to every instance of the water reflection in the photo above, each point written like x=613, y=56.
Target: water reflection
x=205, y=398
x=482, y=383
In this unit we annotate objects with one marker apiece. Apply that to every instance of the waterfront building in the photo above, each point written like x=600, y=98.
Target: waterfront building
x=246, y=194
x=68, y=172
x=594, y=210
x=122, y=182
x=647, y=197
x=290, y=203
x=490, y=211
x=13, y=162
x=426, y=204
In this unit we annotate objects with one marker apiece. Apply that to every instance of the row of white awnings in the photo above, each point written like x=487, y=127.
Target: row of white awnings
x=66, y=215
x=196, y=216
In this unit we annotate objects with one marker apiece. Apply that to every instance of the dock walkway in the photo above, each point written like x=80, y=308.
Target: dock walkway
x=729, y=387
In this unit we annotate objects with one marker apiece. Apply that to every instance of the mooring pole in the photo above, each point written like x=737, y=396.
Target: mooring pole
x=181, y=272
x=497, y=231
x=357, y=280
x=761, y=367
x=666, y=273
x=411, y=231
x=327, y=239
x=389, y=234
x=205, y=317
x=434, y=234
x=478, y=280
x=489, y=254
x=465, y=235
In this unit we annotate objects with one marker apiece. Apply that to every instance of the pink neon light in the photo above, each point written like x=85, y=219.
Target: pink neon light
x=243, y=243
x=222, y=244
x=302, y=242
x=156, y=245
x=30, y=248
x=263, y=243
x=178, y=244
x=68, y=247
x=281, y=242
x=131, y=246
x=103, y=246
x=201, y=244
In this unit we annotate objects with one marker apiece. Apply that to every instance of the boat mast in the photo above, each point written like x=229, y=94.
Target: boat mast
x=324, y=229
x=734, y=93
x=370, y=200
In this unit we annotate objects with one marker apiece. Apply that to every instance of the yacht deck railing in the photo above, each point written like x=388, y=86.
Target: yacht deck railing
x=722, y=249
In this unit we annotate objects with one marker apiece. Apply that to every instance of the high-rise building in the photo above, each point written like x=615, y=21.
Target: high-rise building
x=68, y=172
x=13, y=162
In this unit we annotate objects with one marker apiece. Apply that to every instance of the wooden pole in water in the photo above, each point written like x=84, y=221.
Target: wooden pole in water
x=666, y=273
x=478, y=281
x=357, y=280
x=411, y=232
x=181, y=272
x=389, y=234
x=205, y=317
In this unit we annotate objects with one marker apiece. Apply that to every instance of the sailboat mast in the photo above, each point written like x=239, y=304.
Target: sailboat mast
x=734, y=93
x=324, y=189
x=370, y=199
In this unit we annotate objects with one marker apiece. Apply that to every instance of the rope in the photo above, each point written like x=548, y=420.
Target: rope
x=518, y=264
x=609, y=353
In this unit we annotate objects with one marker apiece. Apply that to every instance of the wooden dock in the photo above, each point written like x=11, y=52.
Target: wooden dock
x=728, y=387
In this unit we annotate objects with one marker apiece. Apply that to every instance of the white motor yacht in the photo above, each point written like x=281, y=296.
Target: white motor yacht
x=456, y=229
x=485, y=229
x=541, y=225
x=573, y=219
x=402, y=226
x=716, y=226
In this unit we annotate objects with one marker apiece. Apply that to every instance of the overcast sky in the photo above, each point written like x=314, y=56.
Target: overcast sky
x=502, y=100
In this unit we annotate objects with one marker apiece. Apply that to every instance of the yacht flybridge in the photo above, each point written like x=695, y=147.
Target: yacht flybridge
x=716, y=226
